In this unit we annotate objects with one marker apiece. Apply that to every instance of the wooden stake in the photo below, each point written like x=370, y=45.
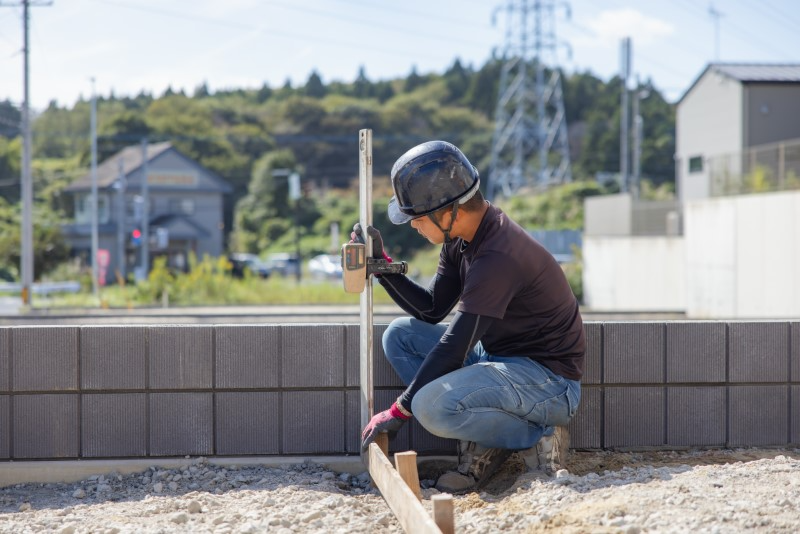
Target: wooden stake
x=413, y=517
x=382, y=440
x=443, y=512
x=406, y=463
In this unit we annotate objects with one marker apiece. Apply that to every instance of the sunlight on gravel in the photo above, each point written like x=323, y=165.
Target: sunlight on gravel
x=755, y=490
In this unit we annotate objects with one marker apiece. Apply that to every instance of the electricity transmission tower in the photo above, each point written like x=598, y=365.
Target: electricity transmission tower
x=530, y=147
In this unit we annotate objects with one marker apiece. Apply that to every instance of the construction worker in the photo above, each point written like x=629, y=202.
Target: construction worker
x=504, y=375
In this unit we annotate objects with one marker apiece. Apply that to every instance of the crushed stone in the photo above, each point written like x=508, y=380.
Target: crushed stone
x=722, y=491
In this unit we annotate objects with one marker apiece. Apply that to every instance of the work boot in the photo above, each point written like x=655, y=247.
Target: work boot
x=476, y=466
x=550, y=453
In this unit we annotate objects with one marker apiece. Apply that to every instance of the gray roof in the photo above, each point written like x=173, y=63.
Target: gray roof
x=108, y=170
x=759, y=72
x=751, y=73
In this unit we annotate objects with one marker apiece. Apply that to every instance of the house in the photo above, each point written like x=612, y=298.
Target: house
x=732, y=121
x=730, y=246
x=185, y=210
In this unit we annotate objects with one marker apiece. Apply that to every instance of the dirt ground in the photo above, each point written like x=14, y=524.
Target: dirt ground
x=584, y=462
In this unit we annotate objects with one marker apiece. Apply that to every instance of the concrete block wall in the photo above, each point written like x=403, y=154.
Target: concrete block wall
x=291, y=389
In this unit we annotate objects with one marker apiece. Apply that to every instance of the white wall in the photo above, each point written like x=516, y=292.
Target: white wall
x=709, y=122
x=743, y=257
x=634, y=273
x=608, y=215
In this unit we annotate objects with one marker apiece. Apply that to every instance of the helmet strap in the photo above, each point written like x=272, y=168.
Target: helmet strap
x=446, y=232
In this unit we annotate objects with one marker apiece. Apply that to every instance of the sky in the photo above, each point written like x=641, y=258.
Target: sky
x=127, y=46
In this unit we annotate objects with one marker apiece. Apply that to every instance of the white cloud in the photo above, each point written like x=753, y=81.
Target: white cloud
x=612, y=25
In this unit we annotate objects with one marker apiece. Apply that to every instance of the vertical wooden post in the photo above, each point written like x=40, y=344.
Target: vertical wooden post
x=365, y=329
x=406, y=464
x=382, y=440
x=443, y=512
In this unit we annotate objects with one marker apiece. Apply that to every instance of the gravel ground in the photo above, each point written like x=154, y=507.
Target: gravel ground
x=754, y=490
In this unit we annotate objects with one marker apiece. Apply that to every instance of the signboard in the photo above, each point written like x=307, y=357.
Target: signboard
x=103, y=259
x=180, y=179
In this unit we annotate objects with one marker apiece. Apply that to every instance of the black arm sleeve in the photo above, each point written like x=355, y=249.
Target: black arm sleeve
x=430, y=305
x=449, y=354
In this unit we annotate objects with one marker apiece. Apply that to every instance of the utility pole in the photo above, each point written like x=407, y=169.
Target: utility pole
x=716, y=15
x=638, y=134
x=120, y=186
x=26, y=249
x=624, y=136
x=95, y=203
x=145, y=214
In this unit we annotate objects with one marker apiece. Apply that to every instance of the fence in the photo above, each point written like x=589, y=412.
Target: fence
x=773, y=167
x=233, y=390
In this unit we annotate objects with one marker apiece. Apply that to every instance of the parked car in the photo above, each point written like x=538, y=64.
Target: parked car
x=283, y=263
x=242, y=262
x=328, y=266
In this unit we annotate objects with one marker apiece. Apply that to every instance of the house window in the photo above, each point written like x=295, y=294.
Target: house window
x=696, y=164
x=183, y=206
x=83, y=209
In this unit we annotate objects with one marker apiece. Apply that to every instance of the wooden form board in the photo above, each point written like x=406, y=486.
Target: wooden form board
x=410, y=512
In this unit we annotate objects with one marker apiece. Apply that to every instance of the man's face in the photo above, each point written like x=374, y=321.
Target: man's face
x=427, y=229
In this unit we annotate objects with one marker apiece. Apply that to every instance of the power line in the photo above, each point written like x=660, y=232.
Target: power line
x=689, y=5
x=283, y=33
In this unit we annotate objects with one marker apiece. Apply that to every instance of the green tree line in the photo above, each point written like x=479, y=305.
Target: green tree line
x=245, y=134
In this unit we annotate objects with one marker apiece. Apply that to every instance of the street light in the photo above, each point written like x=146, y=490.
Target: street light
x=294, y=196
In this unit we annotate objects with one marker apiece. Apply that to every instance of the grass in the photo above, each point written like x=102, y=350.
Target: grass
x=208, y=283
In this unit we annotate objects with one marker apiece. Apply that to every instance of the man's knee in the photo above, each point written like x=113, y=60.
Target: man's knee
x=431, y=406
x=393, y=333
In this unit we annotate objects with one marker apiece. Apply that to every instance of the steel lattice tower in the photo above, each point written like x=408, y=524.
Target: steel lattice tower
x=530, y=146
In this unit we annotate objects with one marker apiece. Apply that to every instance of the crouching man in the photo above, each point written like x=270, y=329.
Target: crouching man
x=504, y=375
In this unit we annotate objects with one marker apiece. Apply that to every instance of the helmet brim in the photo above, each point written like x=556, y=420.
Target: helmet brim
x=395, y=215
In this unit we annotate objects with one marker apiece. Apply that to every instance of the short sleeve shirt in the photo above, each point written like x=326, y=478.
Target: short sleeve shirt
x=509, y=276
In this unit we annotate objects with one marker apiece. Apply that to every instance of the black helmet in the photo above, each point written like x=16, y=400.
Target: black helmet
x=429, y=177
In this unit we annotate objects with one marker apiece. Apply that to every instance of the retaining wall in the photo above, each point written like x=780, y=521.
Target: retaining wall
x=230, y=390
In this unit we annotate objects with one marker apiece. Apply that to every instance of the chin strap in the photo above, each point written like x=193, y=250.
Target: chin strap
x=446, y=232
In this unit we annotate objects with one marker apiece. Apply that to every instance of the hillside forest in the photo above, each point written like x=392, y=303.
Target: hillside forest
x=242, y=134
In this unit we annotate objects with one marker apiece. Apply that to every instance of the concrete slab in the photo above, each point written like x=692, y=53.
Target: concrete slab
x=758, y=352
x=35, y=366
x=696, y=352
x=313, y=355
x=758, y=415
x=633, y=353
x=593, y=362
x=248, y=356
x=5, y=351
x=105, y=350
x=66, y=471
x=586, y=427
x=181, y=357
x=248, y=423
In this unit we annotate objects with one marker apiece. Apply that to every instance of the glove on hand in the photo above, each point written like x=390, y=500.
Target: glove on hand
x=389, y=421
x=357, y=236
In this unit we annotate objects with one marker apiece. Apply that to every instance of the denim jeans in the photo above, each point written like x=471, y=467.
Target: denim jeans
x=498, y=401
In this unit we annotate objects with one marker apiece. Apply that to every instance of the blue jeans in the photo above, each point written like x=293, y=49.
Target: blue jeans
x=496, y=401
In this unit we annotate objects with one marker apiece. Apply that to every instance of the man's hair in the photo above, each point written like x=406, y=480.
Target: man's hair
x=475, y=203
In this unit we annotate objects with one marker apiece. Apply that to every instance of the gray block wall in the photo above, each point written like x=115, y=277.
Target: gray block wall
x=231, y=390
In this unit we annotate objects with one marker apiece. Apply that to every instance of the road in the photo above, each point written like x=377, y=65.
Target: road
x=10, y=315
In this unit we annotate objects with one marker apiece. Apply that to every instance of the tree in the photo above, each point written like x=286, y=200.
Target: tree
x=314, y=87
x=457, y=79
x=362, y=87
x=10, y=118
x=49, y=248
x=483, y=88
x=10, y=168
x=267, y=199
